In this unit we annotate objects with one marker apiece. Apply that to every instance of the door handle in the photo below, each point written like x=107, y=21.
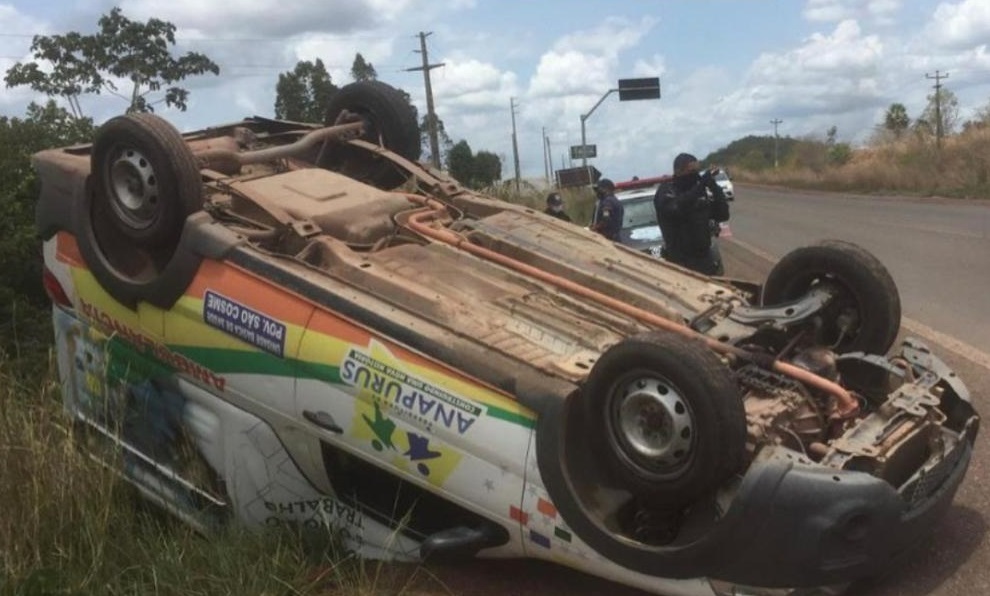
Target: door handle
x=324, y=420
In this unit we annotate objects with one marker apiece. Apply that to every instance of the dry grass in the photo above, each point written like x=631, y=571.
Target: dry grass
x=69, y=526
x=911, y=165
x=579, y=203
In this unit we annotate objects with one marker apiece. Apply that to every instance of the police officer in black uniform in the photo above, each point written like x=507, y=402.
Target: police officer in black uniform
x=555, y=207
x=608, y=211
x=689, y=209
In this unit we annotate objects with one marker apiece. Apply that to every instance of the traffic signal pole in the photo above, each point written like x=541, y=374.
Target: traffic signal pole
x=584, y=118
x=629, y=90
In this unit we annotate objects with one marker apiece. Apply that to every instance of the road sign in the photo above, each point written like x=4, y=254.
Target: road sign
x=633, y=89
x=583, y=176
x=583, y=151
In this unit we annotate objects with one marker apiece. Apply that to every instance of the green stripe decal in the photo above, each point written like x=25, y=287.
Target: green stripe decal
x=228, y=361
x=231, y=361
x=511, y=417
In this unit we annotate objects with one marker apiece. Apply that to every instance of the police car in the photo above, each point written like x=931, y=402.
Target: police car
x=640, y=230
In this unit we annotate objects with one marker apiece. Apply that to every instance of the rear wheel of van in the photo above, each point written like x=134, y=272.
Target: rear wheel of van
x=129, y=224
x=389, y=121
x=145, y=178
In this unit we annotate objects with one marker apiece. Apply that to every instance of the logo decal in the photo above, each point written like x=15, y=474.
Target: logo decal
x=432, y=461
x=406, y=395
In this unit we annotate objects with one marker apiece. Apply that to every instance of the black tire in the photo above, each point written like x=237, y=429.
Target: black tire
x=389, y=120
x=146, y=177
x=868, y=293
x=691, y=409
x=128, y=272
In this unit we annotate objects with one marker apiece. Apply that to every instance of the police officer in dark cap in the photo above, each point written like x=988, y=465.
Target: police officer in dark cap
x=555, y=207
x=689, y=208
x=608, y=210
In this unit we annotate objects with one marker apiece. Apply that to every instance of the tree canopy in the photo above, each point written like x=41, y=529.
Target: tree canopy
x=363, y=70
x=946, y=104
x=446, y=143
x=896, y=119
x=96, y=63
x=22, y=298
x=304, y=94
x=476, y=171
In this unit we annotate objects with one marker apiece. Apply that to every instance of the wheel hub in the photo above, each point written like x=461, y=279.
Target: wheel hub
x=655, y=423
x=134, y=189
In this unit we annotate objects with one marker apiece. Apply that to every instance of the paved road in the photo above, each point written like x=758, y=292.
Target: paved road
x=938, y=251
x=945, y=302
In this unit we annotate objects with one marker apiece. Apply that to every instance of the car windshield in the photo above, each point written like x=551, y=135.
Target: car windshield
x=639, y=212
x=721, y=175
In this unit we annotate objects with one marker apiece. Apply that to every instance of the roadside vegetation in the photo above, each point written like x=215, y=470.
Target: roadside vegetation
x=70, y=526
x=903, y=156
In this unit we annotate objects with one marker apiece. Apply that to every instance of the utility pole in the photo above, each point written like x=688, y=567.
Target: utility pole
x=938, y=105
x=775, y=122
x=431, y=116
x=515, y=145
x=553, y=173
x=546, y=163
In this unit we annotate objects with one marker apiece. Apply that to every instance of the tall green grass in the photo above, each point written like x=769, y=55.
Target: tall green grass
x=70, y=526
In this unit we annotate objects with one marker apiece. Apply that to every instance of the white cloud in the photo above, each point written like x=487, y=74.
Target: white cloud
x=266, y=18
x=960, y=25
x=15, y=49
x=473, y=84
x=654, y=66
x=881, y=11
x=828, y=73
x=586, y=61
x=337, y=54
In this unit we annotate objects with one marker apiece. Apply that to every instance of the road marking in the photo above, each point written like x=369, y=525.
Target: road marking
x=956, y=346
x=756, y=251
x=950, y=343
x=930, y=229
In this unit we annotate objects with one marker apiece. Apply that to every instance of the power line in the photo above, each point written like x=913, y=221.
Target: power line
x=329, y=36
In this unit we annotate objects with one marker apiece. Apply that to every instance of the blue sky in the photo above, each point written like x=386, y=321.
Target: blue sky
x=727, y=67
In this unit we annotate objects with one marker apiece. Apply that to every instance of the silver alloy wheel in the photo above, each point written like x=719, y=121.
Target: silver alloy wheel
x=655, y=423
x=133, y=189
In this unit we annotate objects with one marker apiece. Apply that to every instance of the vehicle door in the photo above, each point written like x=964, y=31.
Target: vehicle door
x=410, y=427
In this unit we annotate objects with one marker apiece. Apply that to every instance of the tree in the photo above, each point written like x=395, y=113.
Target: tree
x=362, y=70
x=753, y=152
x=474, y=171
x=487, y=168
x=980, y=120
x=460, y=162
x=896, y=119
x=121, y=49
x=23, y=304
x=304, y=94
x=836, y=153
x=830, y=135
x=942, y=105
x=445, y=142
